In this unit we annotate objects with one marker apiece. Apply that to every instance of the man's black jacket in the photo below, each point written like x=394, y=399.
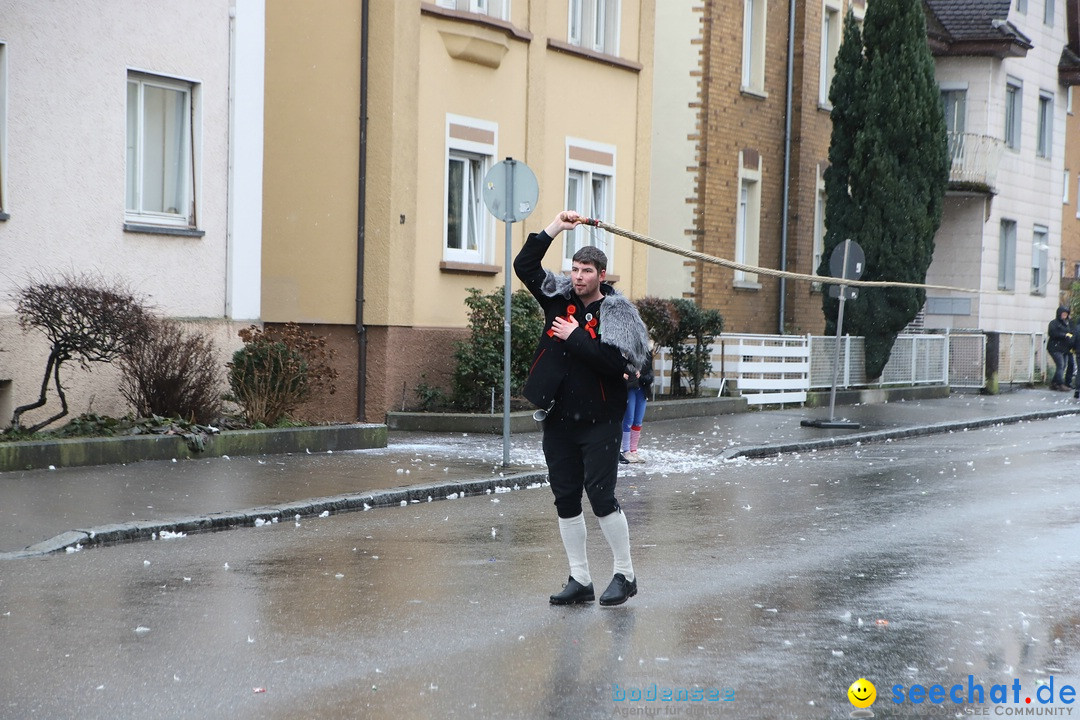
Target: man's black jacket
x=584, y=374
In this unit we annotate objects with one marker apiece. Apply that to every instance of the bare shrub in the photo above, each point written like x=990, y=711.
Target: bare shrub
x=174, y=373
x=85, y=318
x=277, y=370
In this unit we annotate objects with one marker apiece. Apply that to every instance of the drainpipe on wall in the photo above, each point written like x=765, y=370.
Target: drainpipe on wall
x=787, y=158
x=361, y=219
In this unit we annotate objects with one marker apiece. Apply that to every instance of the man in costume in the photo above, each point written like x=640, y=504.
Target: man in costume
x=593, y=336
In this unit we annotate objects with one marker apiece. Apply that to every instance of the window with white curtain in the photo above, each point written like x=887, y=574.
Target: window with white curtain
x=3, y=131
x=830, y=46
x=470, y=152
x=1007, y=256
x=160, y=163
x=819, y=225
x=753, y=49
x=590, y=190
x=594, y=25
x=1014, y=96
x=1040, y=263
x=748, y=218
x=1045, y=142
x=498, y=9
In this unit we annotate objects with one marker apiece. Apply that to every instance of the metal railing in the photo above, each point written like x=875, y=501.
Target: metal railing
x=975, y=158
x=772, y=369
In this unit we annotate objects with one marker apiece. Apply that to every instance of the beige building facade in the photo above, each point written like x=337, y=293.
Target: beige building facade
x=375, y=226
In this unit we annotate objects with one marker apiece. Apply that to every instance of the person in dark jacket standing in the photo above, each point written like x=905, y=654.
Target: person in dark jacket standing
x=1060, y=341
x=593, y=337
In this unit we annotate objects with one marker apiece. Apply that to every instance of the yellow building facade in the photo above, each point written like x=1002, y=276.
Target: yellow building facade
x=373, y=203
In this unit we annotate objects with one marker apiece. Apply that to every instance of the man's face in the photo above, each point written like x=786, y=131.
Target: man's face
x=586, y=278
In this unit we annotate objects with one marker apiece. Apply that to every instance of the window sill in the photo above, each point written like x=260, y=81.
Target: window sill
x=754, y=92
x=163, y=230
x=581, y=52
x=746, y=285
x=467, y=268
x=427, y=8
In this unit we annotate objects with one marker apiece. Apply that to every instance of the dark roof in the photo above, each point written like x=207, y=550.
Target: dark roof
x=970, y=19
x=974, y=27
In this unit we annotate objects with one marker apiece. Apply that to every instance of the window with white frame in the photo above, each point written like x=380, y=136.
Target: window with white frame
x=3, y=131
x=1065, y=192
x=470, y=151
x=819, y=223
x=1007, y=256
x=748, y=218
x=954, y=103
x=1014, y=97
x=1021, y=6
x=830, y=44
x=594, y=25
x=1078, y=196
x=753, y=49
x=590, y=190
x=1045, y=143
x=499, y=9
x=161, y=151
x=1040, y=263
x=1048, y=13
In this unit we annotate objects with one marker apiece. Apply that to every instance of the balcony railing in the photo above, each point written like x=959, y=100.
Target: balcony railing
x=975, y=160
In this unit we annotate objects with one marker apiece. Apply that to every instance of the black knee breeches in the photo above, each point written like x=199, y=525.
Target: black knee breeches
x=583, y=457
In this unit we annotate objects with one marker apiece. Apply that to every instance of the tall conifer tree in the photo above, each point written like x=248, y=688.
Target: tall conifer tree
x=841, y=218
x=896, y=173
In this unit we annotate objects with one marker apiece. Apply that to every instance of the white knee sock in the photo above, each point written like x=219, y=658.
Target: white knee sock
x=626, y=441
x=574, y=533
x=617, y=533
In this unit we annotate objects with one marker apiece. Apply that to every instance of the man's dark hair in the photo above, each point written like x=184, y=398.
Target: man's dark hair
x=593, y=255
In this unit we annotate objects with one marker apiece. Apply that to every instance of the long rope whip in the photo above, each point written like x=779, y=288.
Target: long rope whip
x=694, y=255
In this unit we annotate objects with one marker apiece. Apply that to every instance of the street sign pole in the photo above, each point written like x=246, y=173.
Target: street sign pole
x=506, y=319
x=846, y=263
x=510, y=192
x=839, y=334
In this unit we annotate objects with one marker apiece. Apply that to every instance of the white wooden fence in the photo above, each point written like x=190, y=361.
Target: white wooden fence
x=772, y=369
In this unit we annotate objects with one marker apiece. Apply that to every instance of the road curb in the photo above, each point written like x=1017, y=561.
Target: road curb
x=760, y=451
x=75, y=540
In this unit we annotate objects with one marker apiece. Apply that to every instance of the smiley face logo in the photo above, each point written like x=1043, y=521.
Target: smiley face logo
x=862, y=693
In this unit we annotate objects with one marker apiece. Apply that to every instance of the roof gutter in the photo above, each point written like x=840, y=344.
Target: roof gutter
x=787, y=159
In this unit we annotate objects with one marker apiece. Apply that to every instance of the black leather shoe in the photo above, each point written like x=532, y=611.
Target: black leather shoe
x=573, y=592
x=619, y=591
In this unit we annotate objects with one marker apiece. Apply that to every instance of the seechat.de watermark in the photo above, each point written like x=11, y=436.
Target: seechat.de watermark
x=1050, y=698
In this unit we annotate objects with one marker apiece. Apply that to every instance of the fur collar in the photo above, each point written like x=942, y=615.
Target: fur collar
x=620, y=323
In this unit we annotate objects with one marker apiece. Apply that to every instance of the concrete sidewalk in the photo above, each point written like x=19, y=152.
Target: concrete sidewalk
x=45, y=511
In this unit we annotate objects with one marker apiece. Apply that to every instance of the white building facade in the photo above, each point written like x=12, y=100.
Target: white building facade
x=130, y=148
x=1005, y=99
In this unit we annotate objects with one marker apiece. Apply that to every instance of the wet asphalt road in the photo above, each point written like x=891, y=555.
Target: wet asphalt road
x=783, y=580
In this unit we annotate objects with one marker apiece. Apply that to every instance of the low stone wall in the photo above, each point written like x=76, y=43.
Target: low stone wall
x=878, y=396
x=77, y=452
x=521, y=421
